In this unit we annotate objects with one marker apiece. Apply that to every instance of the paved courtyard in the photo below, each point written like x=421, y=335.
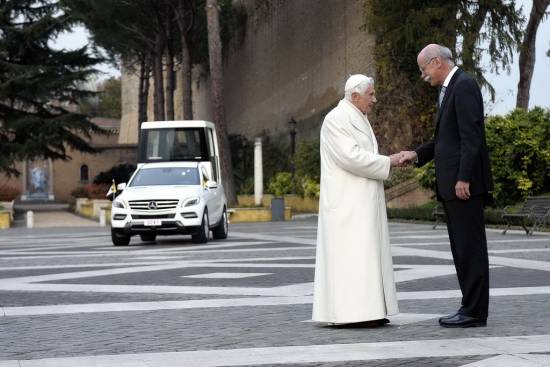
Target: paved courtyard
x=70, y=298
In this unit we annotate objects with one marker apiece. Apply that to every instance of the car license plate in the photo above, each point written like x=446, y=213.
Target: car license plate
x=152, y=222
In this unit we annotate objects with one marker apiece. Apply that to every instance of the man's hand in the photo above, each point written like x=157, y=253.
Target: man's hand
x=462, y=189
x=407, y=157
x=395, y=159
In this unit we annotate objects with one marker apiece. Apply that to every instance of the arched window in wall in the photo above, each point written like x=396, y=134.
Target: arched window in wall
x=84, y=173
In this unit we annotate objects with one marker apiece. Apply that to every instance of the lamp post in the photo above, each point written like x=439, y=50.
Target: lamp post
x=292, y=132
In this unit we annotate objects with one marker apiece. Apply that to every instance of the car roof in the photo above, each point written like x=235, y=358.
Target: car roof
x=168, y=165
x=176, y=124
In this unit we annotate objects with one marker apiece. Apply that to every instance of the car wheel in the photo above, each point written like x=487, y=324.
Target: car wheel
x=119, y=239
x=204, y=231
x=220, y=231
x=148, y=237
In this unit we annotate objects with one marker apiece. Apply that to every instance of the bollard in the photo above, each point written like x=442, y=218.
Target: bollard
x=258, y=172
x=102, y=218
x=30, y=219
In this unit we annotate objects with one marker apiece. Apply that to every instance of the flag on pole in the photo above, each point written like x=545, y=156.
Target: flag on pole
x=111, y=194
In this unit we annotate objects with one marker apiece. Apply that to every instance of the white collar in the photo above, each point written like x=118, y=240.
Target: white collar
x=350, y=104
x=449, y=76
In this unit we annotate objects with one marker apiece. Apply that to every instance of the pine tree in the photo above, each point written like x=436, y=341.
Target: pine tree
x=39, y=84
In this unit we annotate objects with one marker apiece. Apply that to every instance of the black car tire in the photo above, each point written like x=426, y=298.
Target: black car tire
x=119, y=239
x=221, y=230
x=204, y=231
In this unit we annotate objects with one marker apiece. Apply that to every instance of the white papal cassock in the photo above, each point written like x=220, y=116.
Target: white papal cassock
x=354, y=270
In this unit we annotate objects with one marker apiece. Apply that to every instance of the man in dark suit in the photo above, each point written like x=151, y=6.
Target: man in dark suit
x=463, y=177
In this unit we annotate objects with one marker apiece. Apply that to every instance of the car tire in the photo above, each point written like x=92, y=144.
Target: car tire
x=148, y=237
x=219, y=232
x=204, y=231
x=119, y=239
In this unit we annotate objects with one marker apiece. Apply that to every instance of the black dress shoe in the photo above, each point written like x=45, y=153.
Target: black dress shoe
x=448, y=317
x=462, y=321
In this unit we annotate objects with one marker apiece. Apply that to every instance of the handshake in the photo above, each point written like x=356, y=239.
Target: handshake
x=402, y=158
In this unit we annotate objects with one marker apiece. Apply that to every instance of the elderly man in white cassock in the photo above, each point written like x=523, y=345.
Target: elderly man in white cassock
x=354, y=270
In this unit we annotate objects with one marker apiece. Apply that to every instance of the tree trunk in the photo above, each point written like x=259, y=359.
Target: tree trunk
x=527, y=53
x=185, y=62
x=170, y=77
x=144, y=74
x=216, y=86
x=158, y=77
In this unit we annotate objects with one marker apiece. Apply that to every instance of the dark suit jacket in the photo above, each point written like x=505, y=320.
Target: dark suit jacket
x=458, y=146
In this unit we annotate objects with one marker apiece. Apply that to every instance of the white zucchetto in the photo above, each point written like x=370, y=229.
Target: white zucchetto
x=354, y=80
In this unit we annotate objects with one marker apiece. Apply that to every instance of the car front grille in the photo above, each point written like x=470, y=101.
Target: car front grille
x=153, y=205
x=153, y=216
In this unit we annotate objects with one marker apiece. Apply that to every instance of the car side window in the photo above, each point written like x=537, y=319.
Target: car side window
x=213, y=158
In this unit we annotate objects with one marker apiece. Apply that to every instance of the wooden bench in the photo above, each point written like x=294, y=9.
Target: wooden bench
x=535, y=210
x=439, y=215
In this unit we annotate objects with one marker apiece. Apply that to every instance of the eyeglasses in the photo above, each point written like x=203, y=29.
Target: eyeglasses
x=423, y=67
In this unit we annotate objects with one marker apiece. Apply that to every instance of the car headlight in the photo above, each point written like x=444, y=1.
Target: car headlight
x=118, y=204
x=191, y=201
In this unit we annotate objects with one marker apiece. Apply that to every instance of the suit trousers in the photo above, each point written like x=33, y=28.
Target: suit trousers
x=466, y=227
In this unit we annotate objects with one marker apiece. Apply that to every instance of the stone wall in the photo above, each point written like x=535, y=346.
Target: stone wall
x=291, y=60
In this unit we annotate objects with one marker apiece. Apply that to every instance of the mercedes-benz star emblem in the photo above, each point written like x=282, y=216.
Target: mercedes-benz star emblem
x=152, y=205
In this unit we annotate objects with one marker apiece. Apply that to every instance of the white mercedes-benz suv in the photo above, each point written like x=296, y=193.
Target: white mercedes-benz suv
x=169, y=198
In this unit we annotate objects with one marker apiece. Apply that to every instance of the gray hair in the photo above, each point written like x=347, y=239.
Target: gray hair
x=359, y=88
x=440, y=51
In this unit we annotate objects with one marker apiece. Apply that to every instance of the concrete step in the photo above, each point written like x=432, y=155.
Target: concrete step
x=40, y=206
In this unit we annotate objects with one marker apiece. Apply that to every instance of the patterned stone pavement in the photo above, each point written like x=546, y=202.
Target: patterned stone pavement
x=70, y=298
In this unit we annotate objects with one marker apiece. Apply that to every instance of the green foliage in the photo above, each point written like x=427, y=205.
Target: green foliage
x=247, y=186
x=426, y=176
x=308, y=159
x=519, y=145
x=107, y=103
x=120, y=173
x=311, y=188
x=275, y=157
x=403, y=27
x=280, y=184
x=37, y=84
x=400, y=175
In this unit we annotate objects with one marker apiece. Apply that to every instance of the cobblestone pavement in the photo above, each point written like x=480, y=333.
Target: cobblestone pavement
x=70, y=298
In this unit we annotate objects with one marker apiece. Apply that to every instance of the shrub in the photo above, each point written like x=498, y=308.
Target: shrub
x=426, y=176
x=97, y=191
x=311, y=188
x=8, y=193
x=91, y=191
x=519, y=147
x=120, y=173
x=79, y=192
x=281, y=184
x=308, y=159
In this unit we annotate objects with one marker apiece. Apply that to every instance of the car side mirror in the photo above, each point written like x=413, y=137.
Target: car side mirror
x=121, y=186
x=211, y=184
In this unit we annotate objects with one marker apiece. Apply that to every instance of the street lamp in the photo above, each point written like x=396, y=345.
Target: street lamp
x=292, y=132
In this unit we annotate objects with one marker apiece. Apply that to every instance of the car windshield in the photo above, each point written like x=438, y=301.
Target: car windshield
x=166, y=176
